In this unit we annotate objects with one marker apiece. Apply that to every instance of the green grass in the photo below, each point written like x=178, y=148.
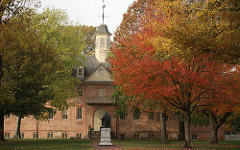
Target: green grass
x=45, y=144
x=225, y=145
x=75, y=144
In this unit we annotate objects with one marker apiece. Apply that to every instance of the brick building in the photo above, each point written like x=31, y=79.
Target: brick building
x=95, y=98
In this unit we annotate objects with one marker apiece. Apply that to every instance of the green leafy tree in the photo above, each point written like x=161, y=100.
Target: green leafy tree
x=232, y=125
x=68, y=43
x=8, y=9
x=30, y=65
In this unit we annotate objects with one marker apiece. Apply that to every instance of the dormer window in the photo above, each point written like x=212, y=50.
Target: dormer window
x=80, y=72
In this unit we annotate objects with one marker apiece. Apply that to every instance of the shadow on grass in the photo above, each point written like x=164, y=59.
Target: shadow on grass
x=70, y=144
x=76, y=144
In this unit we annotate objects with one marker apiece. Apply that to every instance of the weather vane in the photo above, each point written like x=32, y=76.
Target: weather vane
x=104, y=5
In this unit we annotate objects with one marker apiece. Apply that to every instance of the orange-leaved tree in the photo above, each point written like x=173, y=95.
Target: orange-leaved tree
x=224, y=99
x=148, y=66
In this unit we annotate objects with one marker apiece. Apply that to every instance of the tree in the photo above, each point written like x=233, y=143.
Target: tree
x=125, y=103
x=70, y=42
x=202, y=27
x=56, y=86
x=147, y=64
x=30, y=65
x=225, y=102
x=8, y=9
x=232, y=124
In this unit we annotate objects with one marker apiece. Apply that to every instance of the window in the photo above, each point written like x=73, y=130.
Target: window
x=151, y=116
x=50, y=135
x=80, y=91
x=194, y=136
x=136, y=136
x=79, y=113
x=136, y=114
x=101, y=71
x=108, y=42
x=150, y=136
x=80, y=72
x=102, y=42
x=35, y=135
x=101, y=92
x=79, y=136
x=65, y=114
x=64, y=136
x=7, y=116
x=97, y=43
x=7, y=135
x=22, y=135
x=50, y=114
x=122, y=116
x=122, y=136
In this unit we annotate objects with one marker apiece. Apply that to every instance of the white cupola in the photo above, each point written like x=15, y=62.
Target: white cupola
x=102, y=43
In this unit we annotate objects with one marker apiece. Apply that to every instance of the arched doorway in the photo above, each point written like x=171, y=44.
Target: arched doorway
x=97, y=122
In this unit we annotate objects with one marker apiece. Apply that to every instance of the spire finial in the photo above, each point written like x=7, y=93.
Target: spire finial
x=103, y=16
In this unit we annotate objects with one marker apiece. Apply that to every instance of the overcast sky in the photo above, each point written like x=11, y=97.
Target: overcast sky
x=89, y=12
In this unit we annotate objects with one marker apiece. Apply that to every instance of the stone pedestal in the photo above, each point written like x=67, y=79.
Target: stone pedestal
x=105, y=137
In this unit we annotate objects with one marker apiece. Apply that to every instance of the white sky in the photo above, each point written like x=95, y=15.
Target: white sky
x=89, y=12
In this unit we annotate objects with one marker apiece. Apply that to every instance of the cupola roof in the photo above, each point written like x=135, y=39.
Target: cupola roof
x=103, y=29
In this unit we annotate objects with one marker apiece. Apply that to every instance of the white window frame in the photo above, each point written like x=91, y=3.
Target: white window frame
x=102, y=42
x=151, y=116
x=79, y=113
x=7, y=135
x=122, y=116
x=22, y=135
x=7, y=116
x=64, y=114
x=80, y=72
x=194, y=137
x=35, y=136
x=135, y=115
x=64, y=135
x=79, y=135
x=50, y=135
x=50, y=115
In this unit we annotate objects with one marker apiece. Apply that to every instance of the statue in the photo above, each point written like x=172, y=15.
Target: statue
x=106, y=120
x=106, y=130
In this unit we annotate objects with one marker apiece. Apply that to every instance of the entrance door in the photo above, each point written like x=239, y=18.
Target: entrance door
x=97, y=122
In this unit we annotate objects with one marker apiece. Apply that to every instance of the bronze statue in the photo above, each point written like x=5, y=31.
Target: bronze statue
x=106, y=120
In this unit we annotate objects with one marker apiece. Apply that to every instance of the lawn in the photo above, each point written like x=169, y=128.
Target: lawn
x=70, y=144
x=75, y=144
x=128, y=144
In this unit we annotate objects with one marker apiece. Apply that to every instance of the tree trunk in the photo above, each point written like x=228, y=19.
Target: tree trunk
x=17, y=129
x=2, y=126
x=187, y=121
x=213, y=129
x=215, y=125
x=163, y=120
x=181, y=129
x=1, y=112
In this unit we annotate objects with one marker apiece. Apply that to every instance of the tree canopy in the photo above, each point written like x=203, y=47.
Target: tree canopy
x=170, y=54
x=38, y=53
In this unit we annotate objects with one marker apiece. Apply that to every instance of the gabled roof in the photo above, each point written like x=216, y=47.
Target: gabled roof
x=91, y=64
x=100, y=75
